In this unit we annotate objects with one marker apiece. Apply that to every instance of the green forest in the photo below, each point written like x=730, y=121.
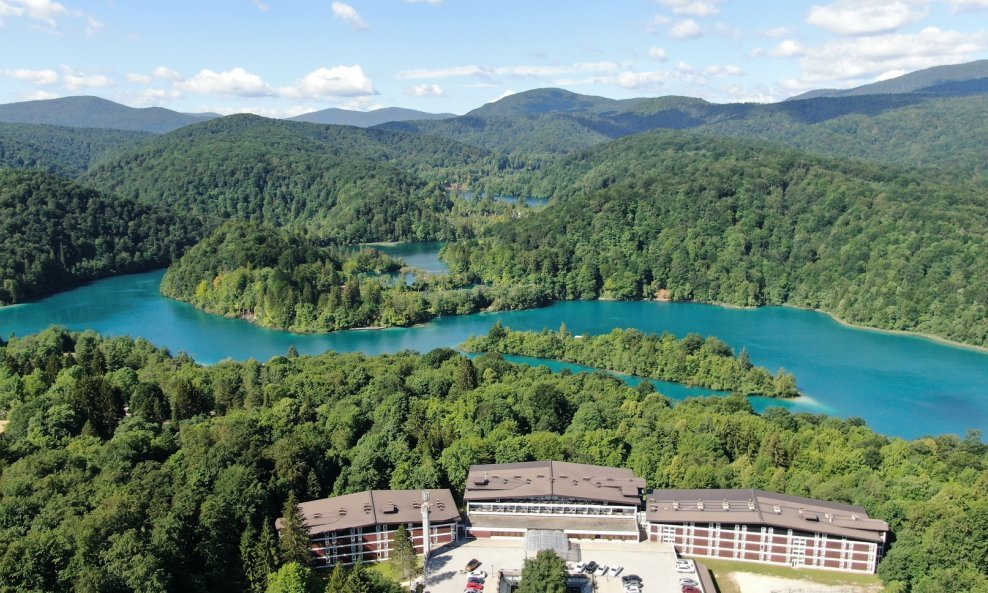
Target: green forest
x=337, y=182
x=55, y=234
x=687, y=217
x=283, y=279
x=126, y=468
x=693, y=360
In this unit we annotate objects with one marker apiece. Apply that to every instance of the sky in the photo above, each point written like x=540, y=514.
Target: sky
x=281, y=58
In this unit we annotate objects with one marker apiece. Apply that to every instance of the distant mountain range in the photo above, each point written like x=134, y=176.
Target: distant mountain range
x=594, y=118
x=94, y=112
x=955, y=80
x=366, y=119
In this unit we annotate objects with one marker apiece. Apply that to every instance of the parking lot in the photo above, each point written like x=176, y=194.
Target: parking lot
x=655, y=563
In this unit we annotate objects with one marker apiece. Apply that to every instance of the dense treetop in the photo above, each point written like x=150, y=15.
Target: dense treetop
x=55, y=234
x=693, y=360
x=332, y=180
x=66, y=151
x=181, y=494
x=285, y=279
x=681, y=216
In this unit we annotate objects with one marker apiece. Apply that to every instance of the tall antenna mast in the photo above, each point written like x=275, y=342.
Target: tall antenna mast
x=426, y=535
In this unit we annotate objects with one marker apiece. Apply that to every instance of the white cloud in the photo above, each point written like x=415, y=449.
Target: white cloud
x=139, y=78
x=236, y=82
x=425, y=90
x=692, y=7
x=75, y=80
x=778, y=32
x=864, y=17
x=787, y=49
x=519, y=70
x=686, y=29
x=361, y=104
x=155, y=96
x=166, y=73
x=636, y=80
x=657, y=53
x=38, y=77
x=725, y=70
x=338, y=81
x=506, y=93
x=45, y=11
x=861, y=59
x=432, y=2
x=447, y=72
x=93, y=26
x=39, y=96
x=964, y=5
x=260, y=5
x=350, y=16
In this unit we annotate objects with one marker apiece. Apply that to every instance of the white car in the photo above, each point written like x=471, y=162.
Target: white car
x=601, y=570
x=479, y=574
x=686, y=581
x=615, y=570
x=632, y=589
x=580, y=566
x=685, y=567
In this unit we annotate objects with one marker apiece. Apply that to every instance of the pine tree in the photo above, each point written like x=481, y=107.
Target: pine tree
x=338, y=580
x=466, y=375
x=294, y=534
x=403, y=552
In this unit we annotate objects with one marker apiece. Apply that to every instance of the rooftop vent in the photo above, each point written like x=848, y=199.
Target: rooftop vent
x=317, y=515
x=751, y=505
x=675, y=505
x=342, y=511
x=724, y=505
x=390, y=507
x=441, y=506
x=855, y=518
x=416, y=505
x=480, y=481
x=699, y=505
x=776, y=509
x=811, y=517
x=368, y=508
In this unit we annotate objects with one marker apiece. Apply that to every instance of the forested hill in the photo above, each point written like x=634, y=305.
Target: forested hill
x=94, y=112
x=181, y=493
x=346, y=184
x=66, y=151
x=55, y=234
x=690, y=217
x=904, y=129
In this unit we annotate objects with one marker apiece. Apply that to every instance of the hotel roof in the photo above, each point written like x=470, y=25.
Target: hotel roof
x=763, y=508
x=556, y=479
x=375, y=507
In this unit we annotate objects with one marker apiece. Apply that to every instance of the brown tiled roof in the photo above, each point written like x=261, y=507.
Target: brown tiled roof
x=560, y=479
x=757, y=507
x=375, y=507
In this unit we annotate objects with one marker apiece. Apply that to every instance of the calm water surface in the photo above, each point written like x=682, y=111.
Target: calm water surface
x=902, y=385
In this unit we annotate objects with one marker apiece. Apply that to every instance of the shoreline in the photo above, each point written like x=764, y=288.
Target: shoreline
x=849, y=324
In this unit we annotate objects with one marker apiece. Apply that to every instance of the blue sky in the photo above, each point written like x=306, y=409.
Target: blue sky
x=282, y=58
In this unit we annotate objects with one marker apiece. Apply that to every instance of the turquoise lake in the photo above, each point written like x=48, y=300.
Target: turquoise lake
x=901, y=385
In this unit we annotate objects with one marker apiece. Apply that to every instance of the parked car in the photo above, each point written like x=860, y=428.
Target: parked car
x=472, y=565
x=478, y=574
x=476, y=580
x=475, y=586
x=688, y=589
x=601, y=570
x=579, y=566
x=632, y=579
x=615, y=570
x=590, y=567
x=688, y=581
x=632, y=589
x=685, y=566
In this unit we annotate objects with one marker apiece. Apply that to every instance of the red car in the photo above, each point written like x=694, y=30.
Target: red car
x=475, y=586
x=690, y=589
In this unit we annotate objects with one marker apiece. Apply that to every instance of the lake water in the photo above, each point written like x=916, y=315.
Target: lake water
x=901, y=385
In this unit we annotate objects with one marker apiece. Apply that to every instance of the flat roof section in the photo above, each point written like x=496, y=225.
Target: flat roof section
x=375, y=507
x=763, y=508
x=587, y=525
x=553, y=479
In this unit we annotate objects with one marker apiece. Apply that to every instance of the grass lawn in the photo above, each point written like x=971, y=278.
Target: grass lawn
x=390, y=570
x=722, y=568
